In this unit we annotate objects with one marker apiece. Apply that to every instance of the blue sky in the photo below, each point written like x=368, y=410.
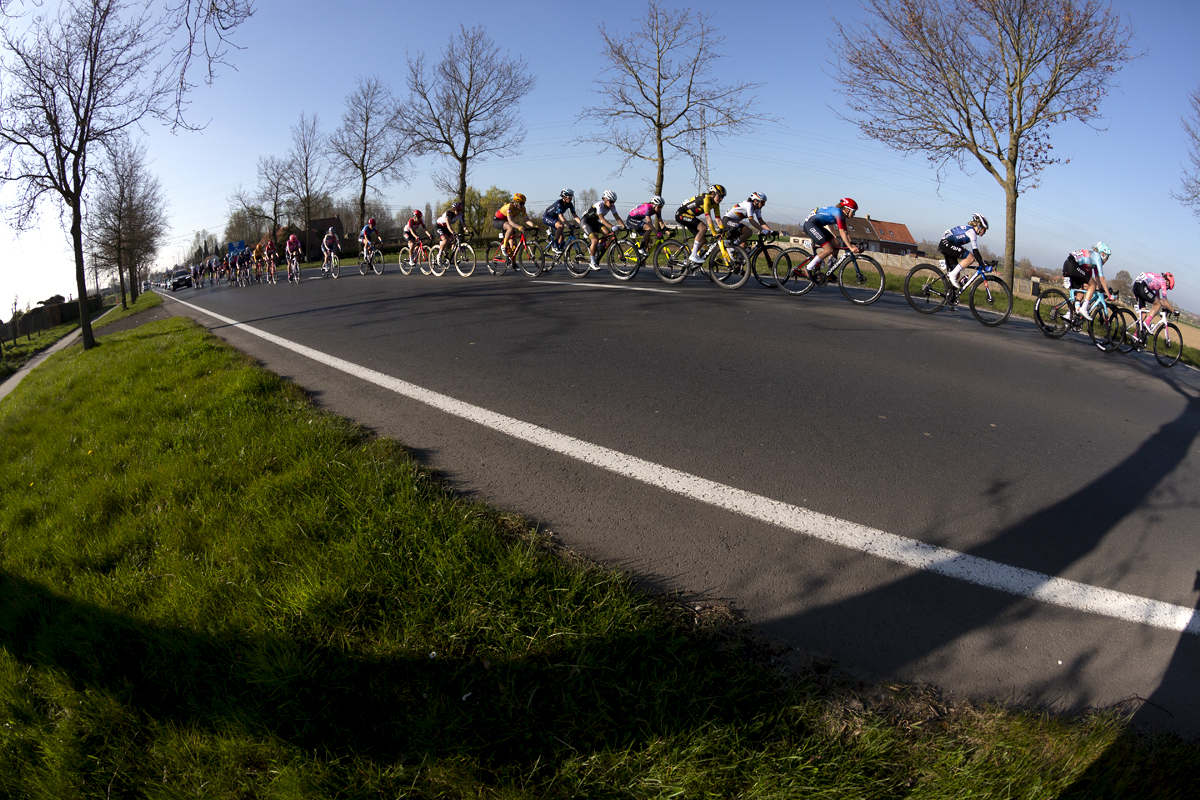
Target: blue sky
x=1117, y=186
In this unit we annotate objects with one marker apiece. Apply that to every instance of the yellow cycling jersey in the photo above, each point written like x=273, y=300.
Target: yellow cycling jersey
x=699, y=205
x=511, y=211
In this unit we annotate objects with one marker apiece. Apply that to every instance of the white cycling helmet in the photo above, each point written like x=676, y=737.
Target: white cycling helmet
x=568, y=193
x=980, y=220
x=609, y=195
x=759, y=197
x=657, y=200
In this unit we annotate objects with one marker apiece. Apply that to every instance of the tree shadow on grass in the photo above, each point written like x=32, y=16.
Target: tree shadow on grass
x=347, y=702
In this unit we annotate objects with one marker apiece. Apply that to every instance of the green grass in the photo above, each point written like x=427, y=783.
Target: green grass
x=212, y=588
x=145, y=301
x=16, y=355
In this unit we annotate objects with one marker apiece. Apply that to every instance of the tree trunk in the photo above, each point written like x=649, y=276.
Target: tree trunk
x=1010, y=231
x=85, y=320
x=362, y=204
x=658, y=181
x=121, y=274
x=462, y=191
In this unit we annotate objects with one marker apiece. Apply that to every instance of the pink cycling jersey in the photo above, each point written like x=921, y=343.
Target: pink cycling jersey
x=1154, y=282
x=644, y=210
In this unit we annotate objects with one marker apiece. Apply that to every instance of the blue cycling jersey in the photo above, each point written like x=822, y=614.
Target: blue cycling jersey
x=559, y=207
x=963, y=236
x=828, y=216
x=1089, y=258
x=367, y=229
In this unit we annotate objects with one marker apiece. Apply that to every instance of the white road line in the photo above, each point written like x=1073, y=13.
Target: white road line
x=608, y=286
x=909, y=552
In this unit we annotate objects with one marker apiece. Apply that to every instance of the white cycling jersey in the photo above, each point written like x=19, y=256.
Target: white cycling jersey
x=740, y=213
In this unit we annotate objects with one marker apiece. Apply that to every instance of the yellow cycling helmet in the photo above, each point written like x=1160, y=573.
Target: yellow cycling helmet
x=518, y=198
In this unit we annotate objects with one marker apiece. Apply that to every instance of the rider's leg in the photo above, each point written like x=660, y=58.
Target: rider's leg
x=698, y=242
x=967, y=261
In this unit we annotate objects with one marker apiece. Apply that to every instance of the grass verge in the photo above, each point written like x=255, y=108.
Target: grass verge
x=210, y=587
x=145, y=301
x=26, y=347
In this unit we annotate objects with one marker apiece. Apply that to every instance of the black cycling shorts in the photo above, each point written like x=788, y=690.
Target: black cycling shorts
x=692, y=224
x=1144, y=294
x=498, y=223
x=953, y=253
x=817, y=233
x=1077, y=273
x=442, y=230
x=591, y=225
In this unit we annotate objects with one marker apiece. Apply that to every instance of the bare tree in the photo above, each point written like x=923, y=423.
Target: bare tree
x=310, y=177
x=127, y=217
x=75, y=81
x=659, y=98
x=269, y=202
x=981, y=78
x=369, y=146
x=1189, y=193
x=465, y=108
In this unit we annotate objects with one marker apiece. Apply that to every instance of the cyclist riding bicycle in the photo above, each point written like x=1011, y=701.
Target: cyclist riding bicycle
x=452, y=215
x=646, y=218
x=822, y=238
x=1085, y=268
x=558, y=216
x=1150, y=287
x=410, y=233
x=367, y=235
x=328, y=242
x=258, y=257
x=292, y=250
x=509, y=219
x=746, y=216
x=688, y=215
x=960, y=246
x=595, y=224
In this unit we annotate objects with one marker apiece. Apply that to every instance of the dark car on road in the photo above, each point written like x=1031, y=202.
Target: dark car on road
x=180, y=279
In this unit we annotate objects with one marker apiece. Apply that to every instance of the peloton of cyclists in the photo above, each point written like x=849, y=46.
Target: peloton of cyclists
x=1085, y=268
x=960, y=246
x=558, y=216
x=646, y=218
x=328, y=242
x=688, y=215
x=822, y=238
x=595, y=224
x=746, y=217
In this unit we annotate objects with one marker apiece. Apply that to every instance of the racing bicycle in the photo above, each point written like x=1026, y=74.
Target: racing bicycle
x=526, y=256
x=457, y=252
x=725, y=263
x=412, y=256
x=293, y=262
x=1164, y=336
x=372, y=259
x=1055, y=314
x=928, y=289
x=858, y=275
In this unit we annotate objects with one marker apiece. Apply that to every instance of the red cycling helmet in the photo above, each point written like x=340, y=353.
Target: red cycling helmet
x=848, y=204
x=1170, y=279
x=293, y=238
x=371, y=222
x=416, y=213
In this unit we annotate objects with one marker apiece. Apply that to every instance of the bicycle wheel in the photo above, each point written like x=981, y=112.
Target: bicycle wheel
x=1124, y=330
x=761, y=261
x=363, y=264
x=493, y=253
x=729, y=270
x=1051, y=313
x=1103, y=329
x=335, y=266
x=788, y=269
x=577, y=260
x=991, y=301
x=377, y=263
x=861, y=279
x=405, y=255
x=438, y=261
x=926, y=288
x=670, y=261
x=464, y=260
x=1168, y=344
x=529, y=259
x=624, y=261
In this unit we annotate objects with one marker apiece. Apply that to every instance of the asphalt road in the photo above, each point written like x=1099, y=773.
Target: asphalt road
x=1000, y=444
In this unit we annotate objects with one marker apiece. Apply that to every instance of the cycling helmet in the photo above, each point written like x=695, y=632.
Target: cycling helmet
x=759, y=197
x=330, y=230
x=292, y=238
x=568, y=193
x=456, y=207
x=371, y=222
x=980, y=220
x=416, y=213
x=657, y=200
x=717, y=188
x=518, y=198
x=1104, y=250
x=609, y=195
x=1170, y=279
x=848, y=204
